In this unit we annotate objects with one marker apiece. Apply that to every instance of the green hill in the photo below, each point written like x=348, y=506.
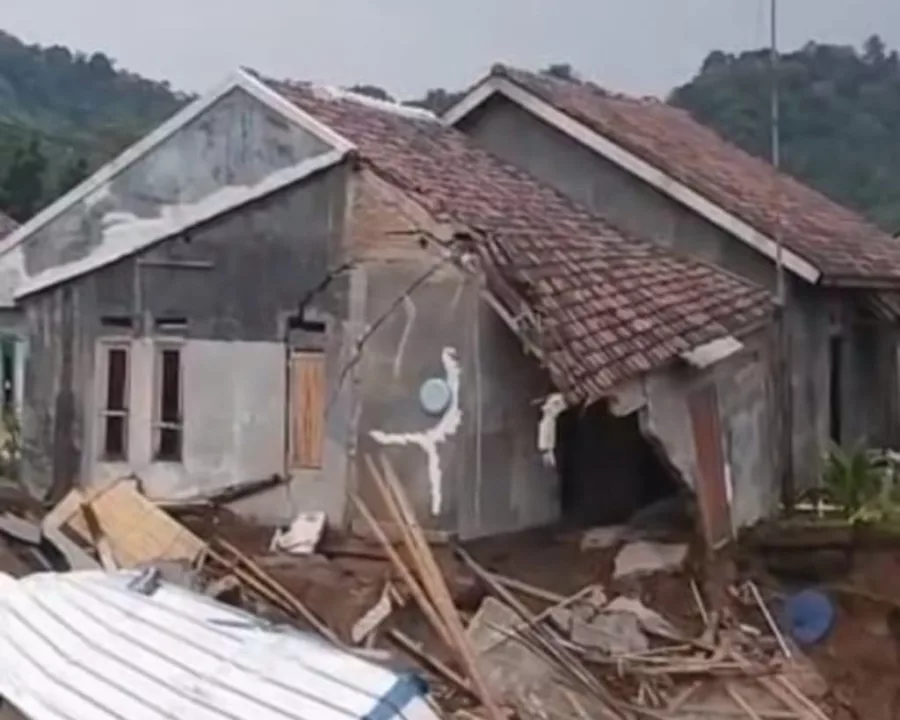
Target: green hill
x=64, y=113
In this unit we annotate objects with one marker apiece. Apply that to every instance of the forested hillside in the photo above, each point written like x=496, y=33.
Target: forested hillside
x=62, y=114
x=840, y=124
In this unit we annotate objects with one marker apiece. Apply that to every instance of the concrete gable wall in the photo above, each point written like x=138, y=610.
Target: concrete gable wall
x=236, y=142
x=605, y=189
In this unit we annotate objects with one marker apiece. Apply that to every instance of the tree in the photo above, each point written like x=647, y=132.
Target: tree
x=22, y=190
x=72, y=175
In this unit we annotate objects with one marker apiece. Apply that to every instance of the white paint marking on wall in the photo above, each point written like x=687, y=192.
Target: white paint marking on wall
x=550, y=411
x=429, y=440
x=409, y=308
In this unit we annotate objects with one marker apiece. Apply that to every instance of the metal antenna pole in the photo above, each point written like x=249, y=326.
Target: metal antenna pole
x=775, y=131
x=783, y=343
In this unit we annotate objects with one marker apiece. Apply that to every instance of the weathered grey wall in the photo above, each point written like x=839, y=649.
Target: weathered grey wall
x=233, y=280
x=237, y=142
x=744, y=388
x=634, y=206
x=489, y=475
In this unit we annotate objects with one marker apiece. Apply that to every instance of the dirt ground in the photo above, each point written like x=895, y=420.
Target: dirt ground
x=860, y=658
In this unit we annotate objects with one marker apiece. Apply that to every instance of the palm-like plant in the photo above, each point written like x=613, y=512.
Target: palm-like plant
x=853, y=479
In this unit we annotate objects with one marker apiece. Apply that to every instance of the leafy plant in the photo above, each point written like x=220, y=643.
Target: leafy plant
x=10, y=444
x=854, y=480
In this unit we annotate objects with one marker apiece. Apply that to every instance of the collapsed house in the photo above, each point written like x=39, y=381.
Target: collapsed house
x=655, y=171
x=288, y=280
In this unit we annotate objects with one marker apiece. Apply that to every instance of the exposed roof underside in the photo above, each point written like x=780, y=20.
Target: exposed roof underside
x=843, y=246
x=610, y=307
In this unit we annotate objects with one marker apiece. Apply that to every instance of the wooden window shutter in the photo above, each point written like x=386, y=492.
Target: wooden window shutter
x=307, y=409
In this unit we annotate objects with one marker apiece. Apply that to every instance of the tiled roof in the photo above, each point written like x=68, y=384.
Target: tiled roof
x=609, y=308
x=840, y=243
x=7, y=225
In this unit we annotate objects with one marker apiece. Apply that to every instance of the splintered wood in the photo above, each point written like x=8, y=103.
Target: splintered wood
x=127, y=524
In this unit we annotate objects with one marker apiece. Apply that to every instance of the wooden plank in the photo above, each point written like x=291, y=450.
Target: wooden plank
x=138, y=531
x=716, y=514
x=307, y=409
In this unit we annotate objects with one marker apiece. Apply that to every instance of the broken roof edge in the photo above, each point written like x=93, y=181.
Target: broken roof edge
x=242, y=79
x=498, y=82
x=156, y=230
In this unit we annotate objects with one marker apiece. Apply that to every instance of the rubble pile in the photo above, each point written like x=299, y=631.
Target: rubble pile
x=648, y=637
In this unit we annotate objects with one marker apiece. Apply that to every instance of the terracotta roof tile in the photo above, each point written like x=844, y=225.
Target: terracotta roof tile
x=609, y=307
x=840, y=243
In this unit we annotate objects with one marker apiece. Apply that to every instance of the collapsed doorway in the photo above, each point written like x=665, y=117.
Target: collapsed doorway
x=609, y=471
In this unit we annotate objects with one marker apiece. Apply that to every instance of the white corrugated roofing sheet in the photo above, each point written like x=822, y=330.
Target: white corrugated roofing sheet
x=95, y=646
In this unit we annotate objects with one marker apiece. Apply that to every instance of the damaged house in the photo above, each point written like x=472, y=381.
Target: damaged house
x=288, y=280
x=654, y=171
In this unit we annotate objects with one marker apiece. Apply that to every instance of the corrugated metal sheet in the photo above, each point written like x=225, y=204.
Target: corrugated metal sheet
x=94, y=646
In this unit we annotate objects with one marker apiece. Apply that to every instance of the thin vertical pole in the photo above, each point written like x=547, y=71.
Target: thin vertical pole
x=783, y=343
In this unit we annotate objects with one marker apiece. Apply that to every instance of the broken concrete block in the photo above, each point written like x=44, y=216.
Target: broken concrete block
x=303, y=535
x=600, y=538
x=561, y=618
x=650, y=620
x=613, y=633
x=643, y=558
x=20, y=529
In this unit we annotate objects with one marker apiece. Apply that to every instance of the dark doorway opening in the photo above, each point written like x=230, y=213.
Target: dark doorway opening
x=834, y=387
x=609, y=470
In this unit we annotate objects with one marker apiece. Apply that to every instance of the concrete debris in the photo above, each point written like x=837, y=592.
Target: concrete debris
x=650, y=620
x=74, y=555
x=643, y=558
x=511, y=668
x=376, y=615
x=303, y=535
x=20, y=529
x=614, y=633
x=601, y=538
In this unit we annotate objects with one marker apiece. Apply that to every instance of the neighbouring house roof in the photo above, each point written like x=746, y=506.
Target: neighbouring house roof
x=7, y=225
x=669, y=149
x=610, y=308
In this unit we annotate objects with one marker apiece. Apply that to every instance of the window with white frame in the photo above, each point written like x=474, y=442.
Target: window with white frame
x=168, y=428
x=114, y=412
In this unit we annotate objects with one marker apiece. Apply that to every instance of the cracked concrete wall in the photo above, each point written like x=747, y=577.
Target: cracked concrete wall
x=602, y=187
x=489, y=474
x=744, y=388
x=233, y=282
x=236, y=142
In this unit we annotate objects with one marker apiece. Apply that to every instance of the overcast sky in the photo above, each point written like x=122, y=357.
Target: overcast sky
x=638, y=46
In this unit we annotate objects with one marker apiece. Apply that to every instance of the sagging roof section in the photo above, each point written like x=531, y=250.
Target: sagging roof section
x=610, y=307
x=743, y=194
